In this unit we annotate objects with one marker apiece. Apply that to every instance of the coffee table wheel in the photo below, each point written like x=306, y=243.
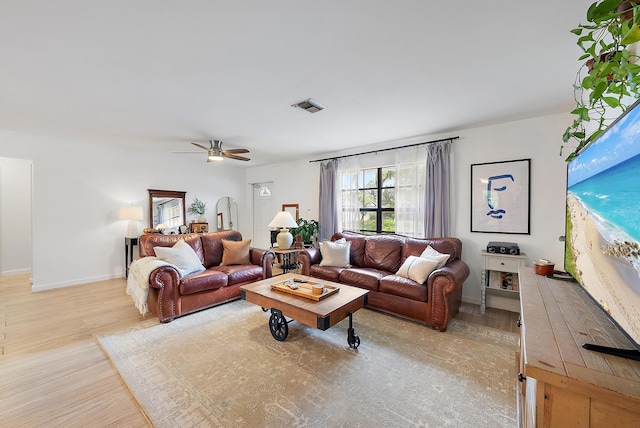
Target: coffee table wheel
x=353, y=339
x=278, y=325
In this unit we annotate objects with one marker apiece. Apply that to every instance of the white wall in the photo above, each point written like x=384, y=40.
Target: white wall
x=538, y=139
x=294, y=182
x=15, y=216
x=78, y=189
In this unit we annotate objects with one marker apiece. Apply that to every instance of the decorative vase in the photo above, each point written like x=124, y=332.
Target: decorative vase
x=202, y=218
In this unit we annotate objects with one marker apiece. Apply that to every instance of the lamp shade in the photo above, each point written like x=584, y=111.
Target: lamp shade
x=283, y=219
x=131, y=213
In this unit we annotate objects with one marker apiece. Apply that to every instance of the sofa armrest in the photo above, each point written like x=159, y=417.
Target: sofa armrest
x=445, y=292
x=308, y=257
x=263, y=258
x=166, y=280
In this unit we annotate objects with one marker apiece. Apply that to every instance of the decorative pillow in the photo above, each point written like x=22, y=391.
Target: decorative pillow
x=335, y=253
x=417, y=268
x=182, y=256
x=235, y=252
x=430, y=254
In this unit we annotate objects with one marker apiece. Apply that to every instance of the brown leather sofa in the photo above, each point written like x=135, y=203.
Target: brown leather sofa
x=374, y=261
x=171, y=296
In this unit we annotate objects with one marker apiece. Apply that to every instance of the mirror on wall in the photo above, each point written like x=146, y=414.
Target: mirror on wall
x=166, y=207
x=227, y=213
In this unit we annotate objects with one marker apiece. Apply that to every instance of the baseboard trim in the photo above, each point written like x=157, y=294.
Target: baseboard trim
x=15, y=272
x=54, y=285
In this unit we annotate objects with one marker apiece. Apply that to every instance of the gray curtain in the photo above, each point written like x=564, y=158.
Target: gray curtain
x=438, y=191
x=328, y=214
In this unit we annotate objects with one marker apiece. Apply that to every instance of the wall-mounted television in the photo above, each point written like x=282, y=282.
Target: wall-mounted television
x=602, y=241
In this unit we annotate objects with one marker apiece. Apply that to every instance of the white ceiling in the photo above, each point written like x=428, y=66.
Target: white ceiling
x=163, y=73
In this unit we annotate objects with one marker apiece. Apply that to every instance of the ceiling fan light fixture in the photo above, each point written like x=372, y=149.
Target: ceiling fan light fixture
x=214, y=157
x=310, y=105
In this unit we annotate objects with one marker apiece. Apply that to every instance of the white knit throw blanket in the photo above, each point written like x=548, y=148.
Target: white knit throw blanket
x=138, y=280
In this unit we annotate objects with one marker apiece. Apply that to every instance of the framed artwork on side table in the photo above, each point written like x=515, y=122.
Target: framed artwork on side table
x=199, y=227
x=500, y=197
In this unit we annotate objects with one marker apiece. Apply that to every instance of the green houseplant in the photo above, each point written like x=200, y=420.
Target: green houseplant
x=612, y=80
x=306, y=228
x=198, y=207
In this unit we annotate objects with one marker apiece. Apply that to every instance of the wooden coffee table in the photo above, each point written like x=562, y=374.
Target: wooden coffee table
x=321, y=312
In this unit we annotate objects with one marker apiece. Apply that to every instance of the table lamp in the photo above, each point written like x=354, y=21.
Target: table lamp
x=284, y=221
x=132, y=214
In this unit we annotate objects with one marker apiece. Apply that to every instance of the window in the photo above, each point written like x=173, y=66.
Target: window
x=376, y=199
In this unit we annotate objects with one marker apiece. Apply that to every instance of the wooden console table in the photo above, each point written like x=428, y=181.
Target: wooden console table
x=561, y=383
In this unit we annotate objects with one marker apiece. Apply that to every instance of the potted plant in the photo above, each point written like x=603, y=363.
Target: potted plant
x=198, y=207
x=612, y=81
x=307, y=229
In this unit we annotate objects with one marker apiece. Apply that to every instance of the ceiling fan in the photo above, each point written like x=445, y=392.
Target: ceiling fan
x=215, y=152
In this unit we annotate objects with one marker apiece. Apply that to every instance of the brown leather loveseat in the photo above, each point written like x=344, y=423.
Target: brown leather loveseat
x=171, y=296
x=374, y=263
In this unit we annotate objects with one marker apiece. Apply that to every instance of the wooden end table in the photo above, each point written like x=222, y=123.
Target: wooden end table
x=321, y=314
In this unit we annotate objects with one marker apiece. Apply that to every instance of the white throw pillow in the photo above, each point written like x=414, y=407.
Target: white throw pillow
x=335, y=253
x=417, y=268
x=430, y=254
x=182, y=256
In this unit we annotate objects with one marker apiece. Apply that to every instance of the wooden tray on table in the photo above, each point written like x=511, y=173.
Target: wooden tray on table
x=304, y=289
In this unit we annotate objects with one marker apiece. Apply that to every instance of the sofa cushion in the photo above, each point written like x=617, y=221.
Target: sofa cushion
x=212, y=248
x=417, y=268
x=366, y=278
x=415, y=247
x=182, y=256
x=403, y=287
x=430, y=254
x=330, y=273
x=335, y=253
x=356, y=253
x=382, y=252
x=202, y=281
x=235, y=252
x=239, y=274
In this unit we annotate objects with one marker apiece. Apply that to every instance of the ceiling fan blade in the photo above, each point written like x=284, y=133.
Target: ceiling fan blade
x=230, y=156
x=201, y=146
x=235, y=151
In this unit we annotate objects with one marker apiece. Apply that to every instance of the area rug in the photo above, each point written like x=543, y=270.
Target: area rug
x=222, y=368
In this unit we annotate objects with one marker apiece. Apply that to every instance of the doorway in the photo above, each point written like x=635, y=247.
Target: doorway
x=16, y=217
x=263, y=213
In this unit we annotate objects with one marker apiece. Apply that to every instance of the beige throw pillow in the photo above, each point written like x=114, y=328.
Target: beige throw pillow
x=430, y=254
x=182, y=256
x=335, y=253
x=417, y=268
x=235, y=252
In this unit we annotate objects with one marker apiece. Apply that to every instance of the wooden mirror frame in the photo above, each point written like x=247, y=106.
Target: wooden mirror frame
x=154, y=193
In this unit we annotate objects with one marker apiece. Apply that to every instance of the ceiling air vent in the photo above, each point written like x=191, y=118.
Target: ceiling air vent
x=310, y=105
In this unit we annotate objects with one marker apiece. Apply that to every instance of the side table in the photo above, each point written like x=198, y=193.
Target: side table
x=287, y=263
x=496, y=262
x=128, y=253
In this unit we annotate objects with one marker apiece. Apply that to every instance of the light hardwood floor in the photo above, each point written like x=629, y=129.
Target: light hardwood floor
x=54, y=374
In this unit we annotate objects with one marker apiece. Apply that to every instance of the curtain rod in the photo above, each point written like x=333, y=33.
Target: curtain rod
x=384, y=150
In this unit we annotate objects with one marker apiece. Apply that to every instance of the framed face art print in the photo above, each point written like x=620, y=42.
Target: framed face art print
x=500, y=197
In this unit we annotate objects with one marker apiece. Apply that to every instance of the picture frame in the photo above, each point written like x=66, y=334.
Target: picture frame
x=501, y=197
x=293, y=209
x=199, y=227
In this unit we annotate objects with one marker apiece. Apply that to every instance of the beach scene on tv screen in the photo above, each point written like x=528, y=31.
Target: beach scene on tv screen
x=603, y=221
